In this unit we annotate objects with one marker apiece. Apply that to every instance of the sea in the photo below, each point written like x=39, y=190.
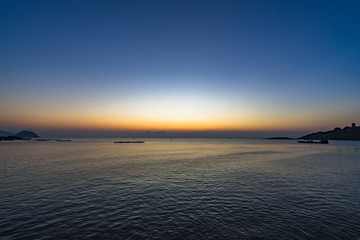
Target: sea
x=179, y=189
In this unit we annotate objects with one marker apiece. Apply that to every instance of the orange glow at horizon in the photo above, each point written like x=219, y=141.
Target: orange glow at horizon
x=113, y=122
x=165, y=113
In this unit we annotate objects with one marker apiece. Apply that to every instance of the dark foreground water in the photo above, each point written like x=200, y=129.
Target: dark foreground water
x=179, y=189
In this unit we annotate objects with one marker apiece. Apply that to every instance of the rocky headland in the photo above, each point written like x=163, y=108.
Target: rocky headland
x=346, y=133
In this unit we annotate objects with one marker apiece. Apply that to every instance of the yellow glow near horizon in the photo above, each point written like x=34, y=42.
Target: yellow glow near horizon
x=168, y=113
x=156, y=113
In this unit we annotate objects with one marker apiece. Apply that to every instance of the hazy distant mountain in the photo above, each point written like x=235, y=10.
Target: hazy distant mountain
x=347, y=133
x=5, y=133
x=27, y=134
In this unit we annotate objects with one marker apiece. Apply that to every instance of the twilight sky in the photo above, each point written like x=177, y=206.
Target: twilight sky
x=99, y=67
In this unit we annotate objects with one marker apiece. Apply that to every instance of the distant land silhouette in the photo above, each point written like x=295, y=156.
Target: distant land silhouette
x=27, y=134
x=347, y=133
x=23, y=135
x=6, y=134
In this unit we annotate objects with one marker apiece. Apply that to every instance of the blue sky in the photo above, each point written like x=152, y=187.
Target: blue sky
x=120, y=62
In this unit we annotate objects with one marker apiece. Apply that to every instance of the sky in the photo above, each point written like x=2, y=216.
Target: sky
x=191, y=68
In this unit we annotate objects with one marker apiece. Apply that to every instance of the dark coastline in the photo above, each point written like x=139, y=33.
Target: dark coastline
x=347, y=133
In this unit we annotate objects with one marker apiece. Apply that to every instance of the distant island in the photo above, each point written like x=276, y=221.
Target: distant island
x=22, y=135
x=347, y=133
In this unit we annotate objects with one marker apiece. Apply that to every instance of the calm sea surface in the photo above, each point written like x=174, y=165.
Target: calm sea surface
x=179, y=189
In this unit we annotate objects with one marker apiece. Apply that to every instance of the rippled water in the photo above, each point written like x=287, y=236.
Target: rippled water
x=179, y=189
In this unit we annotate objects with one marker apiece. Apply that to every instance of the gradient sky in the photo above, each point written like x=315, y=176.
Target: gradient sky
x=215, y=66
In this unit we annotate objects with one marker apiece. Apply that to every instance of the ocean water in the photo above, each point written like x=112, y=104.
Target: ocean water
x=179, y=189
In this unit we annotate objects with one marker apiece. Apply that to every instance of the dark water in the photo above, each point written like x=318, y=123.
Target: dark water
x=179, y=189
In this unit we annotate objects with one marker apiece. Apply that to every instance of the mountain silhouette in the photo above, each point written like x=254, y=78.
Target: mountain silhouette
x=27, y=134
